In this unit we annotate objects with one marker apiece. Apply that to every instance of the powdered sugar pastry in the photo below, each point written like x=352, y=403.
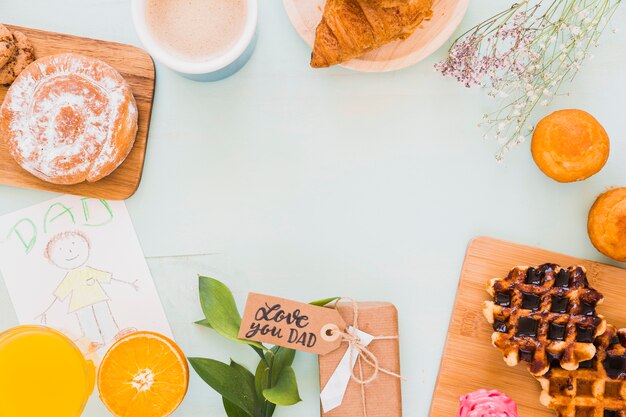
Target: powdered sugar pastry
x=69, y=118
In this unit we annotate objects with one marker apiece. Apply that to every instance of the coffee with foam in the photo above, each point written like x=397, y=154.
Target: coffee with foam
x=196, y=30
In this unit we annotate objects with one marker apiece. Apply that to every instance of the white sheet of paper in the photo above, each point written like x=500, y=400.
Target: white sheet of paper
x=75, y=264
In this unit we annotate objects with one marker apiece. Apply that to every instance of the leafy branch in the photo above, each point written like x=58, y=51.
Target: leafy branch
x=244, y=394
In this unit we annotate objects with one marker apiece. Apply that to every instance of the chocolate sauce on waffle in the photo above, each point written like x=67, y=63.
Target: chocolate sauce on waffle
x=544, y=314
x=533, y=277
x=559, y=304
x=499, y=326
x=562, y=279
x=531, y=301
x=585, y=334
x=503, y=299
x=556, y=331
x=527, y=327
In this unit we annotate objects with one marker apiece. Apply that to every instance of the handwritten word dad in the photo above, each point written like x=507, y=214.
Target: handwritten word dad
x=268, y=317
x=291, y=324
x=92, y=212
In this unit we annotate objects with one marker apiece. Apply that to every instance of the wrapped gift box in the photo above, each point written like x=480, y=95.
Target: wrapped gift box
x=383, y=396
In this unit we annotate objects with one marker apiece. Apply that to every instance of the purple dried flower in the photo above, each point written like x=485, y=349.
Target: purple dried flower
x=524, y=54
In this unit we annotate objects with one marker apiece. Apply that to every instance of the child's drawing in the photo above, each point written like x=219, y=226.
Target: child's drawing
x=83, y=284
x=75, y=264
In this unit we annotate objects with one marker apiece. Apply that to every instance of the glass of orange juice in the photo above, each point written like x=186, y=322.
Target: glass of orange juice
x=42, y=373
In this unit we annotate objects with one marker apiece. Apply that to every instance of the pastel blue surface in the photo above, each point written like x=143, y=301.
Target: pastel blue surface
x=313, y=183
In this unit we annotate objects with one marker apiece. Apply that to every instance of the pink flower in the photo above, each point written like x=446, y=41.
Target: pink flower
x=484, y=403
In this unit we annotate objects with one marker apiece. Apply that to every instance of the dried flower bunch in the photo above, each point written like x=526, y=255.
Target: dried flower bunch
x=523, y=55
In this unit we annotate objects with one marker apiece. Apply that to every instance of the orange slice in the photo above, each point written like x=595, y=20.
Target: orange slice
x=143, y=374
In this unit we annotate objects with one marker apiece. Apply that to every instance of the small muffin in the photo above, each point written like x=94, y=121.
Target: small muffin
x=607, y=224
x=570, y=145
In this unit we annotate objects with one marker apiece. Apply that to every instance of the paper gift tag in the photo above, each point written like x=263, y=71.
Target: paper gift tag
x=291, y=324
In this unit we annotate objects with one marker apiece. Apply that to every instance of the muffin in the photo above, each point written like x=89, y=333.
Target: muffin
x=570, y=145
x=607, y=224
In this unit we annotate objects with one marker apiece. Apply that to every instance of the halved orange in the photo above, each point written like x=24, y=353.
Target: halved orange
x=143, y=374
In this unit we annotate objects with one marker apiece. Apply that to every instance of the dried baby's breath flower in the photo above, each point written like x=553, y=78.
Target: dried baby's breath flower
x=523, y=55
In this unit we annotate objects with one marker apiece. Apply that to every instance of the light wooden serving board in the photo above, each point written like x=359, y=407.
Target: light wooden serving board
x=430, y=36
x=469, y=361
x=137, y=68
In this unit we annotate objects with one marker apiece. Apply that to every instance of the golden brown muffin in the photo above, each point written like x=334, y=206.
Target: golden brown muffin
x=69, y=118
x=607, y=224
x=570, y=145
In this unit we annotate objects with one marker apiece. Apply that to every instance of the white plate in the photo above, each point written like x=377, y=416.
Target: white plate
x=305, y=15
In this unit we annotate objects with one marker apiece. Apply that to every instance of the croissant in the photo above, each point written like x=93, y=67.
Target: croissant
x=350, y=28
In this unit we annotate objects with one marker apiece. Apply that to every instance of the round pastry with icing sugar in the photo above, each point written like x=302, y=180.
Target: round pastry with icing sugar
x=68, y=118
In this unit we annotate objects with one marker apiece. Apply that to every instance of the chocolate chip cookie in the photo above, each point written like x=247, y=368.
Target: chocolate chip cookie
x=7, y=45
x=24, y=56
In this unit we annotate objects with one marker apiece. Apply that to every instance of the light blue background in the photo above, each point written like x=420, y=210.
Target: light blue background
x=308, y=184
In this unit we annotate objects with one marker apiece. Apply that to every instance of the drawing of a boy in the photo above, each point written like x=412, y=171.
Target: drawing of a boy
x=83, y=284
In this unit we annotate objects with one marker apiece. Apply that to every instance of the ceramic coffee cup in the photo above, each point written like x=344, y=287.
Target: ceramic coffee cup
x=216, y=68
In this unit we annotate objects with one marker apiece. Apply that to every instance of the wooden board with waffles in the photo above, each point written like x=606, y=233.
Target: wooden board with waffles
x=559, y=311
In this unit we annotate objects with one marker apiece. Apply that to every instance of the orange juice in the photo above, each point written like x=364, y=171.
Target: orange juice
x=42, y=373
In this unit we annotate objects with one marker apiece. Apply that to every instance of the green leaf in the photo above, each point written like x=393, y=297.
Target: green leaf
x=283, y=358
x=249, y=380
x=220, y=310
x=228, y=381
x=322, y=303
x=260, y=352
x=271, y=407
x=261, y=378
x=278, y=358
x=285, y=392
x=232, y=410
x=204, y=322
x=261, y=382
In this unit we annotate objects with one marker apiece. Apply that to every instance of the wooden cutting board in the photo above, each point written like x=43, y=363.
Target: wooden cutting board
x=469, y=361
x=137, y=68
x=429, y=37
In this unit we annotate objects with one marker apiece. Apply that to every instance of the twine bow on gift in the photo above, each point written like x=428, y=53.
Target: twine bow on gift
x=357, y=353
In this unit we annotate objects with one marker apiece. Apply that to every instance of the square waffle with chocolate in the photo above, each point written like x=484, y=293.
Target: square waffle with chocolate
x=597, y=388
x=544, y=314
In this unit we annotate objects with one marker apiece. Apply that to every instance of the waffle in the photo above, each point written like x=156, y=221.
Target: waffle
x=597, y=388
x=544, y=314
